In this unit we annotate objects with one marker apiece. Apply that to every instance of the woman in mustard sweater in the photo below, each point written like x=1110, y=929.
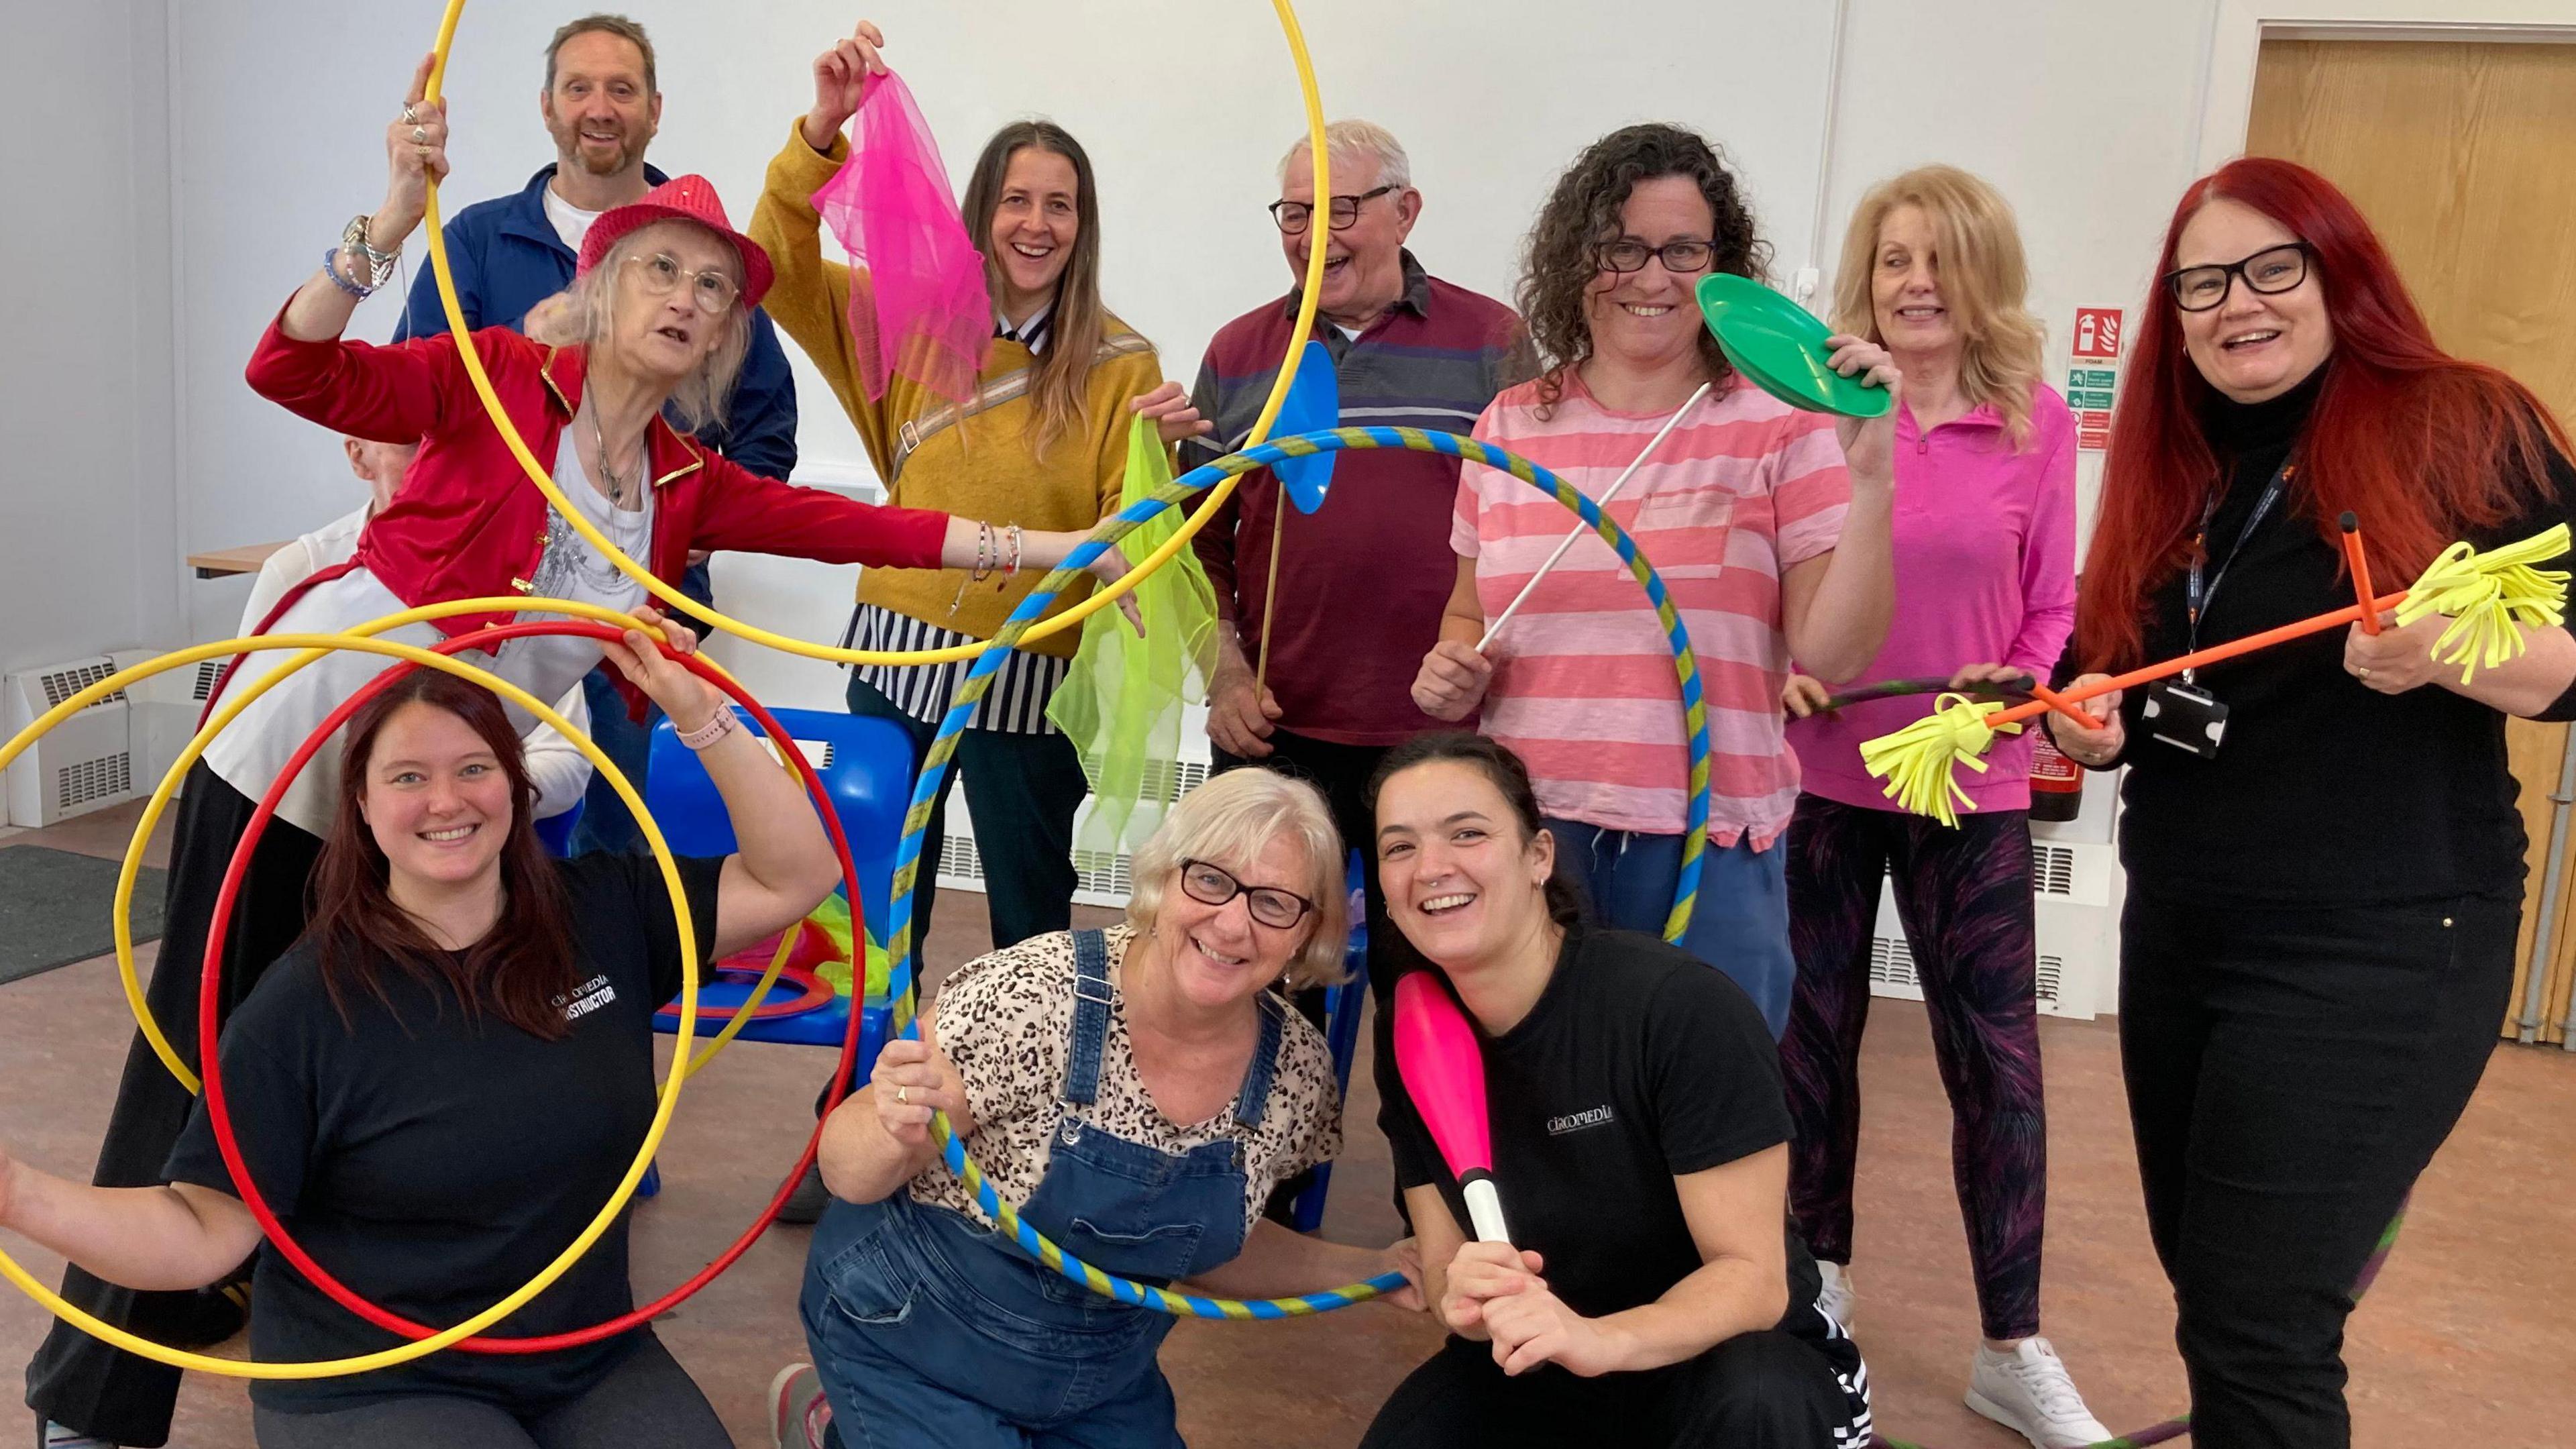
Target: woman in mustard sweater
x=1043, y=444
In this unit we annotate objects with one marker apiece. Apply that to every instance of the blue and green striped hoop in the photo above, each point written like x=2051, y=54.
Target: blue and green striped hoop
x=901, y=986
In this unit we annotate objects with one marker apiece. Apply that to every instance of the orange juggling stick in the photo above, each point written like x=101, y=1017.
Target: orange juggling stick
x=2062, y=705
x=2359, y=562
x=2349, y=613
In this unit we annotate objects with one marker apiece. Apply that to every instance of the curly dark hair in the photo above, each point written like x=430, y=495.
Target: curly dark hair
x=1560, y=262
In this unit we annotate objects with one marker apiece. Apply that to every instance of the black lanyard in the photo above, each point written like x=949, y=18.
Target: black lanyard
x=2199, y=593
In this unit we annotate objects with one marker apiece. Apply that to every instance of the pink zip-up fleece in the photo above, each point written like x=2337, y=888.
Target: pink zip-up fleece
x=1985, y=573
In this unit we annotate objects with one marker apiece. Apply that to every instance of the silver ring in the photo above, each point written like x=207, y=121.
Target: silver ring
x=2362, y=673
x=419, y=135
x=903, y=1095
x=407, y=114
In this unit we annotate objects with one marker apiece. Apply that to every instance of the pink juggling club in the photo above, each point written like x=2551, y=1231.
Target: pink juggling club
x=1444, y=1071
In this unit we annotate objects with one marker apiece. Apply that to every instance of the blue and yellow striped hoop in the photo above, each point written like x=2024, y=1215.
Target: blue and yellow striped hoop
x=900, y=986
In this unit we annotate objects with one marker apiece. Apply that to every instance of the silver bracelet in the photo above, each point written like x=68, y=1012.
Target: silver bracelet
x=380, y=265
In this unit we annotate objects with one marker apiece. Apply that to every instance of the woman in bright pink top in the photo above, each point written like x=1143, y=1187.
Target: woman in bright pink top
x=1770, y=531
x=1985, y=589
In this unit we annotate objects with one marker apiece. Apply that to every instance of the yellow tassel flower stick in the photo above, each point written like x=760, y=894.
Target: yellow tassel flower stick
x=1916, y=760
x=2491, y=598
x=2486, y=595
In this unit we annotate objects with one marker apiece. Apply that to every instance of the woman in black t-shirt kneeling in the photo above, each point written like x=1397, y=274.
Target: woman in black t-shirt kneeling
x=1651, y=1288
x=440, y=1083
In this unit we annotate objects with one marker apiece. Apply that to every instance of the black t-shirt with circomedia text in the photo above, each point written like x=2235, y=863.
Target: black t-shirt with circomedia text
x=1639, y=1064
x=435, y=1160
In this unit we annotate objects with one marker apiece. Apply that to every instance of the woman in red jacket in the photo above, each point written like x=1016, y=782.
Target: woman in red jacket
x=657, y=314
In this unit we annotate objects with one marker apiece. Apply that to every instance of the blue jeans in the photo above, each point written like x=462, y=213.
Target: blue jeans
x=931, y=1333
x=1740, y=924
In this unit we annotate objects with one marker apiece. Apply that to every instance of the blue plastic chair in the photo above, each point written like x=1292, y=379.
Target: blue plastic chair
x=1342, y=1007
x=866, y=768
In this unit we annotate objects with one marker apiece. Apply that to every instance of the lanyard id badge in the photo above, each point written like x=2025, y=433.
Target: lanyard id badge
x=2179, y=712
x=2184, y=715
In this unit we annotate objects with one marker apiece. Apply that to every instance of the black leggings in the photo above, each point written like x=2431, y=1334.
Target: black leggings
x=1964, y=896
x=2291, y=1071
x=1768, y=1390
x=647, y=1402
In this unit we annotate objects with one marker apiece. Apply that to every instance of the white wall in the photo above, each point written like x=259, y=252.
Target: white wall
x=87, y=537
x=2091, y=118
x=1184, y=108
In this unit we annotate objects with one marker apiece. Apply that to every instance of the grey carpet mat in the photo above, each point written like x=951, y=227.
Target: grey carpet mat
x=54, y=908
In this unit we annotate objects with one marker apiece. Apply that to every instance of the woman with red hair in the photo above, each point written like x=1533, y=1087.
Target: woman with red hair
x=2324, y=858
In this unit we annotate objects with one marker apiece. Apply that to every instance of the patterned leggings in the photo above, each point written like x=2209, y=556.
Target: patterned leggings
x=1965, y=898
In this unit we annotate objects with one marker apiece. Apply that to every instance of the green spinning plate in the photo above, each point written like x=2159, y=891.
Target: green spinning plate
x=1780, y=347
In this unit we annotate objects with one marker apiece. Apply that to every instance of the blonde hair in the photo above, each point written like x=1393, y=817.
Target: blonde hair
x=1984, y=282
x=585, y=315
x=1352, y=139
x=1229, y=821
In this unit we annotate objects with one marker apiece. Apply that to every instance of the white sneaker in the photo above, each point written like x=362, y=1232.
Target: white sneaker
x=2028, y=1391
x=798, y=1412
x=1835, y=1296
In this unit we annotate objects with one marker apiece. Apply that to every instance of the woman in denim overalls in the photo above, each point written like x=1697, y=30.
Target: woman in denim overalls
x=1139, y=1091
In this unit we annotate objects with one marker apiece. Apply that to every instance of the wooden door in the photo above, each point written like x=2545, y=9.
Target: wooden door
x=2460, y=155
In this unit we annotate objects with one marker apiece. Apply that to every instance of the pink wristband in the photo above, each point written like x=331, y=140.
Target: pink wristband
x=710, y=732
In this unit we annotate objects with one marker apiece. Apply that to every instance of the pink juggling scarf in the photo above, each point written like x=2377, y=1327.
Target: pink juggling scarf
x=918, y=303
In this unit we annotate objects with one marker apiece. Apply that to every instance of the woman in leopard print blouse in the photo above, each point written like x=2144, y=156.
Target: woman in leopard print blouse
x=1139, y=1091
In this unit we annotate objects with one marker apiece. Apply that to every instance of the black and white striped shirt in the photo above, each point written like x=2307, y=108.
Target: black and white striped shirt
x=1016, y=703
x=1032, y=334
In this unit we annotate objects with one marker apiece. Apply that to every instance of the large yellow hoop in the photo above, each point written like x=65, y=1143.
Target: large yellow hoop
x=670, y=1096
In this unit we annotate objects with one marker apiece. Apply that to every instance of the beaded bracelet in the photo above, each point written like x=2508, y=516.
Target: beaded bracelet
x=362, y=293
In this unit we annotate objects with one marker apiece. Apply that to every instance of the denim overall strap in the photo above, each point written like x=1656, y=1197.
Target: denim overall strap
x=1254, y=1098
x=1091, y=1000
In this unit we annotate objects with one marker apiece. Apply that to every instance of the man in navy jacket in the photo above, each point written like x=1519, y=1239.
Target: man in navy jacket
x=602, y=107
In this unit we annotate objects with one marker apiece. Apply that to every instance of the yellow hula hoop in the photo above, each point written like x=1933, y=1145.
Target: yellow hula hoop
x=682, y=603
x=121, y=909
x=670, y=1095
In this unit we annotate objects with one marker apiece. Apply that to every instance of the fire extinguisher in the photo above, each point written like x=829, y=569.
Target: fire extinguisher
x=2056, y=782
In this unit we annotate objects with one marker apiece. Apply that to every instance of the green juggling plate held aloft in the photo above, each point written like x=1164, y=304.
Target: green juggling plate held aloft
x=1780, y=348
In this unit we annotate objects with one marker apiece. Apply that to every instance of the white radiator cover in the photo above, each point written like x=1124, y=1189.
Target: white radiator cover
x=2077, y=891
x=85, y=763
x=1104, y=876
x=165, y=712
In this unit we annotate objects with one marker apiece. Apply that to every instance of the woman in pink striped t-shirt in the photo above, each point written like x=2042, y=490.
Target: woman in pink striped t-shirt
x=1985, y=580
x=1771, y=533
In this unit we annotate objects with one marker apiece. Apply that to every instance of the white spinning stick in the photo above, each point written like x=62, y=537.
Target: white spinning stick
x=1579, y=530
